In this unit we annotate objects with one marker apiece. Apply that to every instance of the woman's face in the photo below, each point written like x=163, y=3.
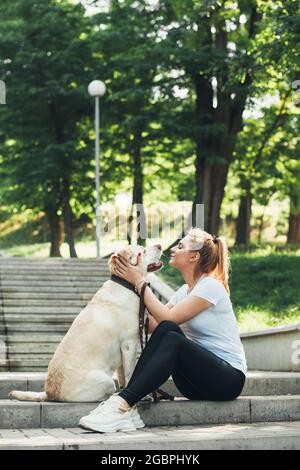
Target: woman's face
x=181, y=254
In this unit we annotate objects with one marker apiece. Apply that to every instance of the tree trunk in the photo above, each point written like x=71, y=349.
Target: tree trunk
x=214, y=151
x=294, y=229
x=137, y=195
x=55, y=232
x=293, y=235
x=203, y=141
x=65, y=196
x=219, y=177
x=244, y=216
x=211, y=176
x=68, y=216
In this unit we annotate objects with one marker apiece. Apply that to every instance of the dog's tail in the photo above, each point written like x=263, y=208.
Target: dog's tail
x=27, y=396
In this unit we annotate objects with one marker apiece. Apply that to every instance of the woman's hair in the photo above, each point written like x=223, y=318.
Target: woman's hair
x=214, y=256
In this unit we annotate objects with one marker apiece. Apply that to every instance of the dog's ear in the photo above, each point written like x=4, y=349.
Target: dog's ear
x=125, y=253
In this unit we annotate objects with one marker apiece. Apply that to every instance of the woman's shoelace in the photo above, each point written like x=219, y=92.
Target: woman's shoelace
x=102, y=406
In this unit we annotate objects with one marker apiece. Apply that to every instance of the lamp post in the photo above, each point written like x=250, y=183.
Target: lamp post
x=96, y=89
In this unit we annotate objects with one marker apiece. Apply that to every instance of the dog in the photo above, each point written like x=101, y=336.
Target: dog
x=102, y=339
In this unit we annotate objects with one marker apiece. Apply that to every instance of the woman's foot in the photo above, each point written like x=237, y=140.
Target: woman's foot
x=112, y=415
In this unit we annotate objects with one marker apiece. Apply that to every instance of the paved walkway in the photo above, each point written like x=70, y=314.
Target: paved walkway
x=273, y=436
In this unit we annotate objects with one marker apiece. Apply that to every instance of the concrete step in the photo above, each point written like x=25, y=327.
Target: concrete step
x=46, y=289
x=54, y=302
x=43, y=297
x=40, y=298
x=52, y=261
x=53, y=283
x=52, y=277
x=256, y=436
x=15, y=320
x=38, y=310
x=28, y=365
x=20, y=357
x=42, y=265
x=32, y=349
x=52, y=269
x=32, y=338
x=258, y=383
x=18, y=328
x=180, y=412
x=21, y=381
x=9, y=268
x=45, y=272
x=48, y=270
x=25, y=347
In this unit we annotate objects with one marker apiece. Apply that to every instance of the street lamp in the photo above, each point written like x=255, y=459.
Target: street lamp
x=97, y=88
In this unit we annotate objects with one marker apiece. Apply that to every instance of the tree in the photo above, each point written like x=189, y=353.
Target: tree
x=47, y=68
x=138, y=120
x=215, y=46
x=279, y=58
x=256, y=162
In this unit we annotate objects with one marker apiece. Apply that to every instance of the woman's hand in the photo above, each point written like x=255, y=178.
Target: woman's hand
x=124, y=269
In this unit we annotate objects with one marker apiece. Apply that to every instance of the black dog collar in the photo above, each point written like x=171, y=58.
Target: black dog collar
x=123, y=282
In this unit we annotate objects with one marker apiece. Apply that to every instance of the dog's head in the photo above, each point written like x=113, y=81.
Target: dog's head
x=150, y=257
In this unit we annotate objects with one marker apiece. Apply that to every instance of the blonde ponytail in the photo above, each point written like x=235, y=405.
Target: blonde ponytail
x=223, y=265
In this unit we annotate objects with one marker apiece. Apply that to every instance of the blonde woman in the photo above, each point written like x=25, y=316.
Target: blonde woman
x=204, y=355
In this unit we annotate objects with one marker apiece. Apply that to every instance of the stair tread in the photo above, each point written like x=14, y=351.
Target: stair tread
x=245, y=409
x=258, y=383
x=253, y=435
x=250, y=373
x=183, y=400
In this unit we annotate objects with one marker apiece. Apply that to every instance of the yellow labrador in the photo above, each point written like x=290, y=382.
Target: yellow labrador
x=103, y=338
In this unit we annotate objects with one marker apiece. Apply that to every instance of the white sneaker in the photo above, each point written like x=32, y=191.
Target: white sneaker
x=137, y=420
x=111, y=416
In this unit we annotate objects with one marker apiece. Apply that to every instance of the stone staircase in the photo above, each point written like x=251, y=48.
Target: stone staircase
x=265, y=416
x=38, y=301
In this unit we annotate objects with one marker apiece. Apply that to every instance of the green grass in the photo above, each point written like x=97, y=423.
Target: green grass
x=264, y=287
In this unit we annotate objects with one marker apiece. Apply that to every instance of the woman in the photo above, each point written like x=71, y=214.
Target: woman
x=204, y=354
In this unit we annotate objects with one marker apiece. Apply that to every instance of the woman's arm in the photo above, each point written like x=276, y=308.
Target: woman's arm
x=152, y=322
x=181, y=312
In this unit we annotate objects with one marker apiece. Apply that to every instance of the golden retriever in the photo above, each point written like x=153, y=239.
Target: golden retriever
x=103, y=338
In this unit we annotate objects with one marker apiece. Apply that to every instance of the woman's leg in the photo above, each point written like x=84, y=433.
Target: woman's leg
x=204, y=368
x=156, y=365
x=206, y=376
x=163, y=328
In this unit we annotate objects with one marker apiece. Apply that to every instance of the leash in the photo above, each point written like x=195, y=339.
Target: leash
x=143, y=328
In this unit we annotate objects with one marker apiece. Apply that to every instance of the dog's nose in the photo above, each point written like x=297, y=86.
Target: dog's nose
x=158, y=246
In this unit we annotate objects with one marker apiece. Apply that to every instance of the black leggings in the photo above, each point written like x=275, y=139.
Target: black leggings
x=197, y=373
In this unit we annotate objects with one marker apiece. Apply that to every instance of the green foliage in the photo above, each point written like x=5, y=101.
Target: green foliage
x=47, y=68
x=264, y=287
x=151, y=58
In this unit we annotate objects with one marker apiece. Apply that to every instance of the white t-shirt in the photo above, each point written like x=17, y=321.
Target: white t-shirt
x=216, y=327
